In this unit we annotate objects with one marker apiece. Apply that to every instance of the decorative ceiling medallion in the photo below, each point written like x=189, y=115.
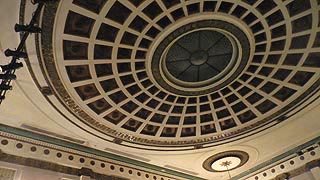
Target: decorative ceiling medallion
x=225, y=161
x=113, y=71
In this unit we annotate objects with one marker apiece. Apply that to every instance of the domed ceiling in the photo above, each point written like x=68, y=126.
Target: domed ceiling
x=174, y=73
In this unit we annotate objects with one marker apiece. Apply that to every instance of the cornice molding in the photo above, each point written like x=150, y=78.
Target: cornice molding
x=43, y=142
x=38, y=146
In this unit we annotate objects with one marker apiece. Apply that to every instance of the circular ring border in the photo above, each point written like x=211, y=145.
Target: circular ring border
x=230, y=66
x=240, y=154
x=218, y=24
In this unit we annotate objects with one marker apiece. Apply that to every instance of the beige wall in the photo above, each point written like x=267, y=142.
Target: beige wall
x=29, y=173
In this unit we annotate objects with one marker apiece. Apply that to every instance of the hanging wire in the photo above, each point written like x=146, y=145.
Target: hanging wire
x=228, y=171
x=227, y=164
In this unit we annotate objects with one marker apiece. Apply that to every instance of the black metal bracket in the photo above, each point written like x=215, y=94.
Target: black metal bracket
x=10, y=73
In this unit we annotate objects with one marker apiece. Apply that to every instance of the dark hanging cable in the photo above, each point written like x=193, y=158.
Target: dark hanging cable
x=8, y=70
x=228, y=172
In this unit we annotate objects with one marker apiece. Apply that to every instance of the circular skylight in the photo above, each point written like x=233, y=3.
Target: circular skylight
x=202, y=60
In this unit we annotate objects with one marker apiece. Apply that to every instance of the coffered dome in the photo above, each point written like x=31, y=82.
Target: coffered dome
x=181, y=73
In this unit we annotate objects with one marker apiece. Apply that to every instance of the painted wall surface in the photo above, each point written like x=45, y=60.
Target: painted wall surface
x=304, y=176
x=29, y=173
